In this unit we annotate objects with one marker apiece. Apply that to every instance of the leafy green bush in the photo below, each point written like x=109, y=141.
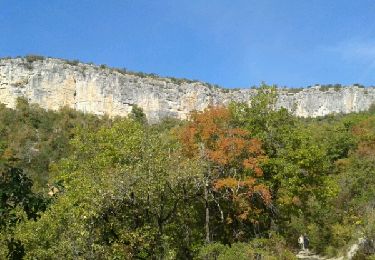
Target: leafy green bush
x=211, y=251
x=273, y=248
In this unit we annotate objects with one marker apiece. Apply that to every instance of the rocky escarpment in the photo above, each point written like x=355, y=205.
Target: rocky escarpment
x=54, y=83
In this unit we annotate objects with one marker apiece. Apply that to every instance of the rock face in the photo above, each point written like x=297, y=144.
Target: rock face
x=54, y=83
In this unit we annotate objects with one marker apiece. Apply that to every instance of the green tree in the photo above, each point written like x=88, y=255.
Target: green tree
x=297, y=169
x=125, y=191
x=17, y=203
x=138, y=115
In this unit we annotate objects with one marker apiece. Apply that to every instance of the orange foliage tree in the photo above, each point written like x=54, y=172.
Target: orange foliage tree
x=233, y=176
x=365, y=133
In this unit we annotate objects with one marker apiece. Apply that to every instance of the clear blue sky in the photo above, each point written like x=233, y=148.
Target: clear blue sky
x=233, y=43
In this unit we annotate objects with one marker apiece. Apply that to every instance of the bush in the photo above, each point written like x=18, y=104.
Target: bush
x=72, y=62
x=32, y=58
x=211, y=251
x=331, y=251
x=272, y=248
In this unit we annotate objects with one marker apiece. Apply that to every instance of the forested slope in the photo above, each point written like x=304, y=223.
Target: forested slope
x=232, y=182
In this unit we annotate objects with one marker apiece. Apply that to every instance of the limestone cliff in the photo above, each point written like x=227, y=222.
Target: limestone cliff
x=53, y=83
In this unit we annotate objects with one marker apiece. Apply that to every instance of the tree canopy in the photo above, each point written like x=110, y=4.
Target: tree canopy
x=236, y=182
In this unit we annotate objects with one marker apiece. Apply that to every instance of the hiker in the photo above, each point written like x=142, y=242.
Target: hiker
x=306, y=241
x=301, y=242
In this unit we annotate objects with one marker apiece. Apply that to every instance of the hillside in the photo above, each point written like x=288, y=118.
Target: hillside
x=236, y=182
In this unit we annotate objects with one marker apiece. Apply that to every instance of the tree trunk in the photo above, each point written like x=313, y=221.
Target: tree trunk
x=207, y=220
x=206, y=187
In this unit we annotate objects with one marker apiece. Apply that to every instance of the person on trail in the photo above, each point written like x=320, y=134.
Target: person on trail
x=301, y=243
x=306, y=241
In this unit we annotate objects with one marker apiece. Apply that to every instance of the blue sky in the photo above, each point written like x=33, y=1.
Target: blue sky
x=233, y=43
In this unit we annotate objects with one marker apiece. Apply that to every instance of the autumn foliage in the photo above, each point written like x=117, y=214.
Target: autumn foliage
x=242, y=194
x=235, y=160
x=211, y=135
x=365, y=132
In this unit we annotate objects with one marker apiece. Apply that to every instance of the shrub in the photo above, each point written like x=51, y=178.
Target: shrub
x=294, y=90
x=32, y=58
x=358, y=85
x=272, y=248
x=72, y=62
x=211, y=251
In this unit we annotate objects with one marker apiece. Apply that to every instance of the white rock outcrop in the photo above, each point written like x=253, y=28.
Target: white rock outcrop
x=54, y=83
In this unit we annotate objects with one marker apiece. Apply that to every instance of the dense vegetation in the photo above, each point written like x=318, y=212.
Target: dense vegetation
x=237, y=182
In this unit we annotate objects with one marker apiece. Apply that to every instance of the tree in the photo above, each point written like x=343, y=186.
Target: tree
x=17, y=203
x=233, y=166
x=138, y=115
x=125, y=192
x=297, y=169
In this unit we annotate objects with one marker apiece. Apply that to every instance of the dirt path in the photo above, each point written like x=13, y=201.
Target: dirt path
x=308, y=255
